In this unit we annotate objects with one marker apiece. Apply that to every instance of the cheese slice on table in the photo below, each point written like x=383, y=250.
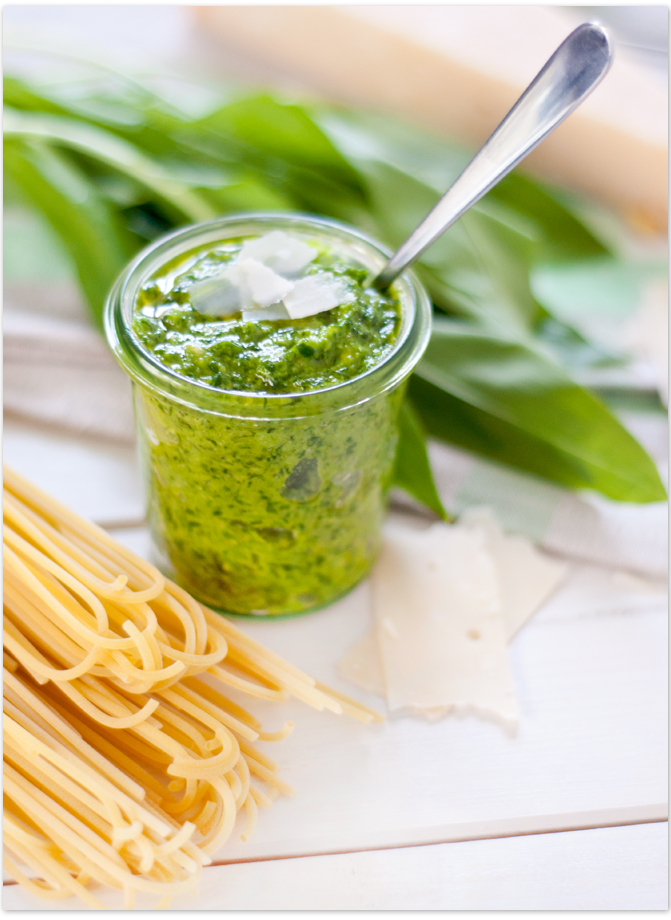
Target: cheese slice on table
x=525, y=578
x=439, y=626
x=457, y=70
x=362, y=666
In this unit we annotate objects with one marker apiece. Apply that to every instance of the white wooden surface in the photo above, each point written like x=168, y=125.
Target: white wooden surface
x=618, y=868
x=590, y=673
x=98, y=478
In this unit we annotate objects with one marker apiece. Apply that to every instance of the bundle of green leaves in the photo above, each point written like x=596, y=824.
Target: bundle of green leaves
x=111, y=162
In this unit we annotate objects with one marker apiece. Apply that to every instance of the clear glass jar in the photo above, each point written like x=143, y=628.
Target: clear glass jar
x=266, y=504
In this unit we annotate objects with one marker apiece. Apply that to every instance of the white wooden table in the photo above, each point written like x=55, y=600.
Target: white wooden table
x=569, y=814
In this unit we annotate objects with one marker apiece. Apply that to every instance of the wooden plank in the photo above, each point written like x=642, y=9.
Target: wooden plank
x=619, y=868
x=98, y=478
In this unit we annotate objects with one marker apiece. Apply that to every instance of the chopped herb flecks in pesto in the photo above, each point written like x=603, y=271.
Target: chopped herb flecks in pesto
x=267, y=517
x=273, y=514
x=233, y=352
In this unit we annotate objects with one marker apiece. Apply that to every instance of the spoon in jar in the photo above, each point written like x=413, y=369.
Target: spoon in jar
x=569, y=76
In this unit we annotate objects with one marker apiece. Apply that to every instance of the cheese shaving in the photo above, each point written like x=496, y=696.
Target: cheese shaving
x=258, y=284
x=526, y=576
x=285, y=254
x=439, y=626
x=216, y=296
x=362, y=666
x=245, y=285
x=523, y=580
x=273, y=312
x=316, y=294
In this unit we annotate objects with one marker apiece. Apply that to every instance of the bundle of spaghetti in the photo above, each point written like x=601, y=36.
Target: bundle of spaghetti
x=126, y=764
x=156, y=799
x=100, y=610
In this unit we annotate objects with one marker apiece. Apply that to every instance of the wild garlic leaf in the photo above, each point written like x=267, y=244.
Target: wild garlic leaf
x=282, y=143
x=70, y=203
x=412, y=468
x=281, y=130
x=110, y=150
x=506, y=400
x=564, y=236
x=437, y=162
x=248, y=193
x=479, y=269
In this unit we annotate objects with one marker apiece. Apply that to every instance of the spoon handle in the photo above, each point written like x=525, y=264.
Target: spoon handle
x=574, y=70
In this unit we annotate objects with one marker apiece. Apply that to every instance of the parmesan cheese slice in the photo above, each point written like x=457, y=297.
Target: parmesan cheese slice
x=362, y=666
x=215, y=296
x=246, y=285
x=439, y=625
x=274, y=311
x=285, y=254
x=525, y=579
x=315, y=294
x=258, y=284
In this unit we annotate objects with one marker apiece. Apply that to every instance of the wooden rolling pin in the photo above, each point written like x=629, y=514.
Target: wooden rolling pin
x=457, y=70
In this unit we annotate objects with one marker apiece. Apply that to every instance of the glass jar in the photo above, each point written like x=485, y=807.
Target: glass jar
x=258, y=503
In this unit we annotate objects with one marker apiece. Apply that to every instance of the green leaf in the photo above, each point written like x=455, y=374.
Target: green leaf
x=279, y=130
x=479, y=269
x=111, y=150
x=570, y=348
x=249, y=194
x=19, y=95
x=505, y=400
x=412, y=469
x=563, y=235
x=32, y=253
x=285, y=146
x=369, y=135
x=602, y=288
x=429, y=158
x=490, y=282
x=107, y=98
x=80, y=217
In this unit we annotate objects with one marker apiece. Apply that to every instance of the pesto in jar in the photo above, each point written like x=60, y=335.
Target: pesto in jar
x=236, y=352
x=266, y=515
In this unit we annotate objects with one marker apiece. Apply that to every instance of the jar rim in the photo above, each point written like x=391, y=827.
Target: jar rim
x=147, y=370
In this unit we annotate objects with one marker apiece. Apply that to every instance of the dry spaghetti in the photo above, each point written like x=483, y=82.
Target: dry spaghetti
x=125, y=762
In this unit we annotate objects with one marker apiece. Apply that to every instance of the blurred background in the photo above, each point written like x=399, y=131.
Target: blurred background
x=171, y=35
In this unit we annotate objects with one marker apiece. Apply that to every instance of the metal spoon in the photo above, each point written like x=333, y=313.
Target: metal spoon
x=574, y=70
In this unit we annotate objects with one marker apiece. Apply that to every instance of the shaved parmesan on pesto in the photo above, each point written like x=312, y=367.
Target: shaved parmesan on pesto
x=273, y=313
x=315, y=294
x=278, y=250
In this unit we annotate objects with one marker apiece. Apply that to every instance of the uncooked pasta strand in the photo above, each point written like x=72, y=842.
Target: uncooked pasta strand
x=124, y=765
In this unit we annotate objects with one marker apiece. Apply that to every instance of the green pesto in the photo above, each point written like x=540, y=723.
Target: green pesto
x=270, y=356
x=269, y=516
